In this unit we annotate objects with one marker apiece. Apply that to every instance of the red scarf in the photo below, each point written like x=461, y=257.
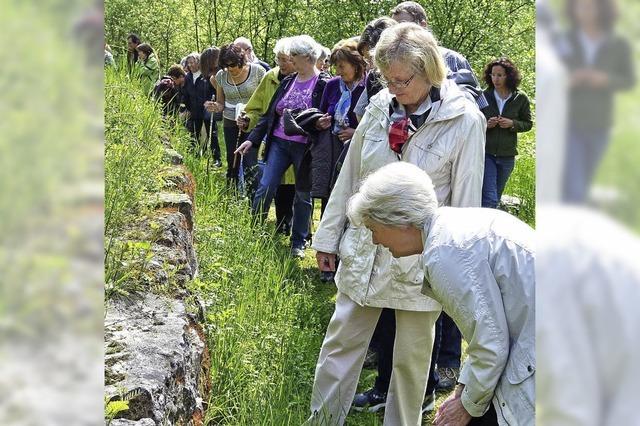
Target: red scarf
x=398, y=134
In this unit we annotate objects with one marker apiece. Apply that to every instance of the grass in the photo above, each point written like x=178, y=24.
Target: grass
x=522, y=182
x=265, y=313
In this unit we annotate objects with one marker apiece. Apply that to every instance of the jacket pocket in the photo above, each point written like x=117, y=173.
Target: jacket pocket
x=521, y=365
x=407, y=276
x=349, y=245
x=428, y=157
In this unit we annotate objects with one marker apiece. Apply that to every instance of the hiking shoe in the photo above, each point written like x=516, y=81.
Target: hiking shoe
x=326, y=276
x=448, y=378
x=217, y=163
x=297, y=252
x=429, y=402
x=370, y=401
x=370, y=360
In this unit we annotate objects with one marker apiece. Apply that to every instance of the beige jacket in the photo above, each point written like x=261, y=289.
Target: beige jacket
x=450, y=147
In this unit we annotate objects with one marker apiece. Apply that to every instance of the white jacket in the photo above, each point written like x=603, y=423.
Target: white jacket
x=479, y=263
x=449, y=146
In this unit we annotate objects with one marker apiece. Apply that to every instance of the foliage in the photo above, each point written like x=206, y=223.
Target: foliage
x=134, y=131
x=479, y=29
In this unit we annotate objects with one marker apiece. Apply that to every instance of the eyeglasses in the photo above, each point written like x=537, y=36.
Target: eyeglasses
x=397, y=84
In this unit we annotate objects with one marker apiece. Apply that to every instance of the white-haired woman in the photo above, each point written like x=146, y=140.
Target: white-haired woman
x=424, y=119
x=479, y=264
x=301, y=90
x=255, y=108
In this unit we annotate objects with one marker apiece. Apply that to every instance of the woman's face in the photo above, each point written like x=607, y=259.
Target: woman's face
x=234, y=70
x=499, y=77
x=285, y=64
x=346, y=70
x=193, y=64
x=301, y=64
x=142, y=55
x=398, y=239
x=408, y=87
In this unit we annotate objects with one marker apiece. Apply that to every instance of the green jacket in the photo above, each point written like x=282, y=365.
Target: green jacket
x=502, y=142
x=259, y=101
x=148, y=71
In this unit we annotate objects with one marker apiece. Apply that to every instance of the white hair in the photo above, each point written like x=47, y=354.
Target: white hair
x=398, y=194
x=304, y=45
x=193, y=55
x=246, y=42
x=282, y=46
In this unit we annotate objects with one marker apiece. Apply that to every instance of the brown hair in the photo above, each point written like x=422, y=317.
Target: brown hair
x=176, y=71
x=347, y=50
x=231, y=54
x=209, y=59
x=145, y=48
x=371, y=34
x=513, y=74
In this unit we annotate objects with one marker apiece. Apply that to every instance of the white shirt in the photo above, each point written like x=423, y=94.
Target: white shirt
x=501, y=101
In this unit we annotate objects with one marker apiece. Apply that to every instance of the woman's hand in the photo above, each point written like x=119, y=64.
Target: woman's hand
x=323, y=122
x=209, y=106
x=243, y=148
x=326, y=261
x=345, y=135
x=505, y=123
x=492, y=122
x=243, y=122
x=452, y=413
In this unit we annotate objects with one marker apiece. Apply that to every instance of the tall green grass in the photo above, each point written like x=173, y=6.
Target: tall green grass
x=133, y=155
x=522, y=183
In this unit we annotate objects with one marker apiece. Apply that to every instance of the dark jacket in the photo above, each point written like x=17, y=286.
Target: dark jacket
x=169, y=95
x=325, y=147
x=592, y=108
x=267, y=122
x=502, y=142
x=195, y=94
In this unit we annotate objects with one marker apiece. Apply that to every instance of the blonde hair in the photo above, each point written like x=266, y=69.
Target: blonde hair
x=398, y=194
x=413, y=46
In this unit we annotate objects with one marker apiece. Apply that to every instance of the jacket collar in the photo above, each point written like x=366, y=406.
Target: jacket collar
x=450, y=105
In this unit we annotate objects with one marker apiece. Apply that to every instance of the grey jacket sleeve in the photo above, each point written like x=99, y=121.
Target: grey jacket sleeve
x=471, y=297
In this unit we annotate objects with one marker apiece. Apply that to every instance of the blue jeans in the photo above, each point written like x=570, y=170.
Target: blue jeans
x=496, y=174
x=450, y=343
x=585, y=148
x=283, y=154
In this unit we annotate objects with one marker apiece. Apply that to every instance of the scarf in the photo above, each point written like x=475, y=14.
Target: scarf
x=341, y=115
x=403, y=127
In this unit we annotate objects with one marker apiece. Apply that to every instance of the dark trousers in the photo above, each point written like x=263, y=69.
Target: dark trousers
x=450, y=343
x=232, y=139
x=284, y=205
x=382, y=342
x=195, y=127
x=490, y=418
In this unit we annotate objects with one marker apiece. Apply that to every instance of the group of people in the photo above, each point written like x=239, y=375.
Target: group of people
x=399, y=135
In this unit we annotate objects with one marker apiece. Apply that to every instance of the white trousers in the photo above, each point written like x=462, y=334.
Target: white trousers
x=342, y=355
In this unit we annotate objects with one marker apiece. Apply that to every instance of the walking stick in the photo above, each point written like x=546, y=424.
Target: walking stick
x=213, y=98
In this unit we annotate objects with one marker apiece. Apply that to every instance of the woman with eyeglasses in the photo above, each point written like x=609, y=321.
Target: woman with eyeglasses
x=508, y=114
x=421, y=118
x=234, y=84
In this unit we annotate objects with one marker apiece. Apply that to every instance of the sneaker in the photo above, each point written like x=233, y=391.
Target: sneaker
x=429, y=402
x=217, y=163
x=370, y=360
x=297, y=252
x=327, y=277
x=448, y=378
x=370, y=401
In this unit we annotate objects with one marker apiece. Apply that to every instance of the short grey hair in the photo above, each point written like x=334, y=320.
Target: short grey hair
x=304, y=45
x=413, y=46
x=282, y=46
x=398, y=194
x=193, y=55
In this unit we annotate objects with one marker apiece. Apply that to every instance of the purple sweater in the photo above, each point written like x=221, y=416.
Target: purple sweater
x=331, y=96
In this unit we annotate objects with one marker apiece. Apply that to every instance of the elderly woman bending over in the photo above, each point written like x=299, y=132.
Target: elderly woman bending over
x=424, y=119
x=479, y=264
